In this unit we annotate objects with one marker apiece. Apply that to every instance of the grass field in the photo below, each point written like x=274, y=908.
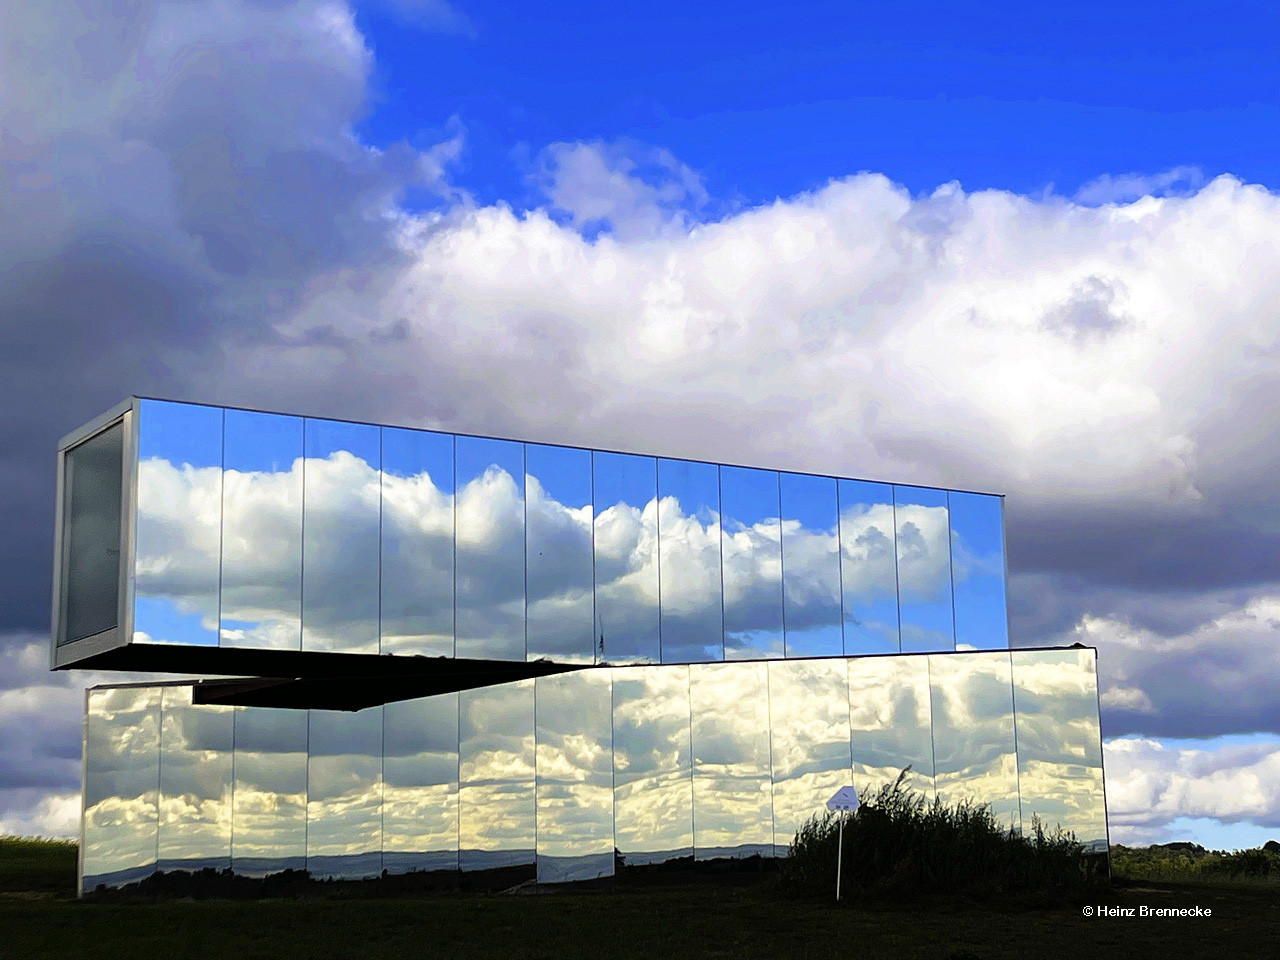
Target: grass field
x=39, y=917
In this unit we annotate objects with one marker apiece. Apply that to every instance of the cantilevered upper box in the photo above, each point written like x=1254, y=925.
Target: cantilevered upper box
x=200, y=539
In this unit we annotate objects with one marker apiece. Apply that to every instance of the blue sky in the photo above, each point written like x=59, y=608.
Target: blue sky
x=719, y=233
x=766, y=102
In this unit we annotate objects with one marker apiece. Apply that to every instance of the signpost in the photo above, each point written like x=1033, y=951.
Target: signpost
x=845, y=801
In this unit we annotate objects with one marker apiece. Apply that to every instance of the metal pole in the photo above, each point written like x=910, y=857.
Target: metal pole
x=839, y=856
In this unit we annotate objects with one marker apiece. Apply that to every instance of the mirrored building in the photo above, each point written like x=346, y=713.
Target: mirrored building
x=458, y=653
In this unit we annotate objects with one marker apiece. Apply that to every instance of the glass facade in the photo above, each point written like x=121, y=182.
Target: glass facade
x=571, y=775
x=735, y=644
x=271, y=532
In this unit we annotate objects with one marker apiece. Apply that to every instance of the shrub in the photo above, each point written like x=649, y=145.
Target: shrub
x=899, y=844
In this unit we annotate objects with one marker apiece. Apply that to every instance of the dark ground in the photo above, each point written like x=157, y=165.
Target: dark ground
x=656, y=920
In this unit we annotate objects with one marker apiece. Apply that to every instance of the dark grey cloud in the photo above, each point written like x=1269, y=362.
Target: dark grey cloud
x=170, y=177
x=188, y=214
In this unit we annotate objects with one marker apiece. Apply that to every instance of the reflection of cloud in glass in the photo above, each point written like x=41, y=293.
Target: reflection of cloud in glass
x=689, y=561
x=497, y=796
x=179, y=523
x=751, y=551
x=890, y=722
x=575, y=776
x=732, y=791
x=559, y=511
x=973, y=731
x=195, y=783
x=727, y=759
x=491, y=543
x=341, y=507
x=868, y=567
x=420, y=790
x=599, y=537
x=417, y=543
x=262, y=484
x=809, y=742
x=811, y=566
x=1059, y=753
x=269, y=796
x=653, y=791
x=924, y=569
x=344, y=793
x=625, y=488
x=121, y=775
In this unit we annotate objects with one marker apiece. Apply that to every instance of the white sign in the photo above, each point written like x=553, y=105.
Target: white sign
x=846, y=798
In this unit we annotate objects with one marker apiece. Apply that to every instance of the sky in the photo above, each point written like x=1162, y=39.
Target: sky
x=971, y=246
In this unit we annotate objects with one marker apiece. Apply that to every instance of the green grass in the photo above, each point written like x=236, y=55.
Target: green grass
x=35, y=866
x=653, y=922
x=1189, y=863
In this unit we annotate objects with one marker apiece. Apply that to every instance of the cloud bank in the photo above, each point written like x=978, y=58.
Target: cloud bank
x=191, y=215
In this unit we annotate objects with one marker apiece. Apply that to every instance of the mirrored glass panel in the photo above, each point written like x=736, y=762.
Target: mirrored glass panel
x=924, y=569
x=561, y=602
x=977, y=569
x=269, y=799
x=973, y=736
x=689, y=561
x=1059, y=744
x=575, y=776
x=626, y=558
x=491, y=549
x=732, y=786
x=496, y=796
x=340, y=550
x=420, y=791
x=809, y=707
x=868, y=567
x=179, y=523
x=751, y=551
x=261, y=531
x=122, y=772
x=417, y=543
x=196, y=747
x=652, y=770
x=92, y=478
x=344, y=793
x=890, y=725
x=811, y=566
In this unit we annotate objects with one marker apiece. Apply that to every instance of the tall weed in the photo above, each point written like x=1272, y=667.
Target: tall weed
x=899, y=844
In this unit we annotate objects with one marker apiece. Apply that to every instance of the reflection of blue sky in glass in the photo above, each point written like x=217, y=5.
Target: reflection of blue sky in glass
x=810, y=566
x=752, y=557
x=977, y=558
x=261, y=530
x=924, y=569
x=180, y=433
x=868, y=567
x=564, y=473
x=419, y=453
x=689, y=555
x=179, y=522
x=261, y=442
x=626, y=557
x=323, y=438
x=560, y=607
